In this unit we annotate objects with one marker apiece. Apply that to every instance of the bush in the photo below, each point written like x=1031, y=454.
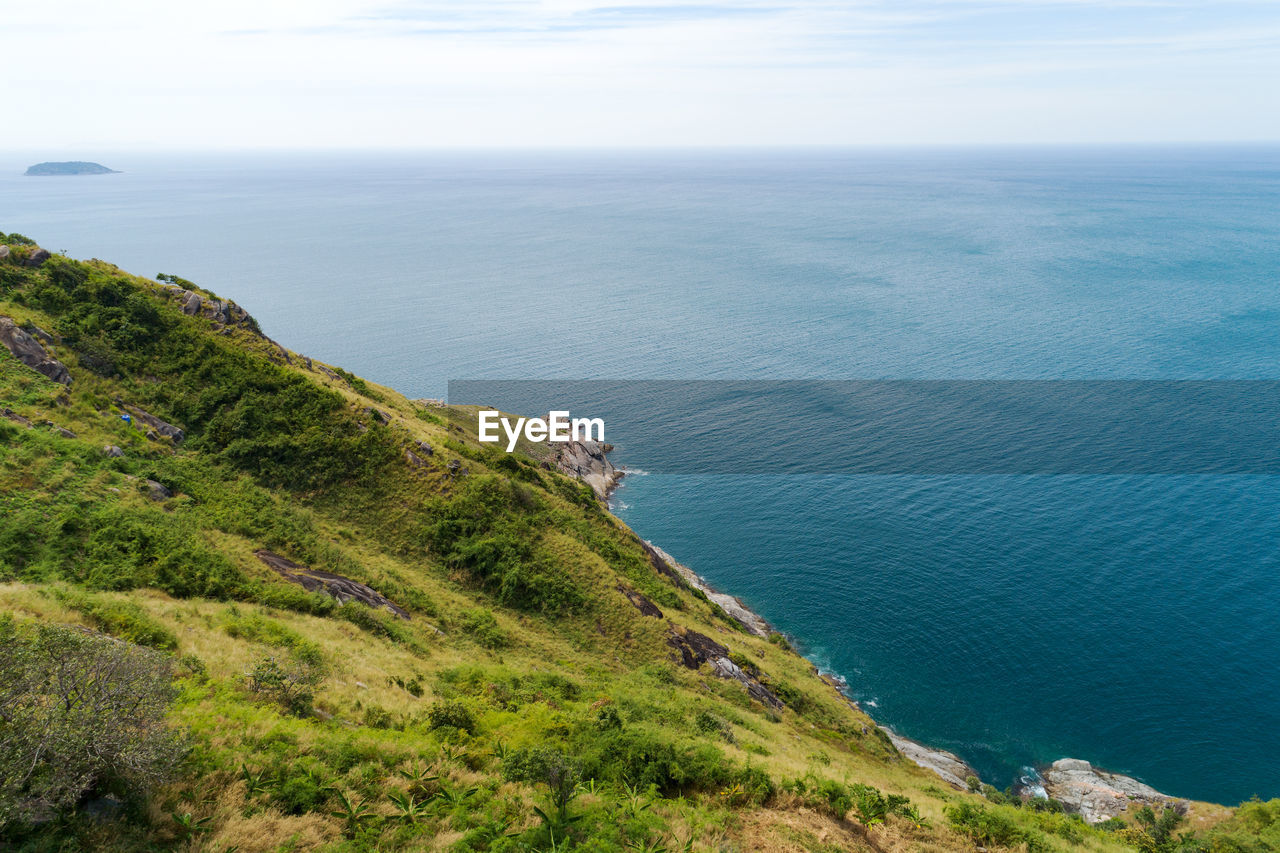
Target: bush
x=80, y=713
x=453, y=715
x=291, y=684
x=483, y=627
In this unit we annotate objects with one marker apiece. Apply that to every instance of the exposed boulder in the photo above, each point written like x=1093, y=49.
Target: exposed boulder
x=112, y=452
x=1097, y=795
x=695, y=649
x=426, y=449
x=37, y=257
x=413, y=459
x=28, y=350
x=4, y=252
x=335, y=586
x=10, y=414
x=160, y=427
x=158, y=491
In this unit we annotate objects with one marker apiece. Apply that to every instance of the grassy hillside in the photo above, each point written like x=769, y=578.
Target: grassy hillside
x=533, y=696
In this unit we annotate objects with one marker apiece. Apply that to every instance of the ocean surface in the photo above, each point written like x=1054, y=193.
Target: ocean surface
x=1131, y=620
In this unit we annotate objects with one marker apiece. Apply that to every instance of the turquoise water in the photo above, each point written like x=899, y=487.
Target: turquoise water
x=1132, y=621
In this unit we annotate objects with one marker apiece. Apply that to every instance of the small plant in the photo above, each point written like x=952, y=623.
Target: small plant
x=255, y=782
x=409, y=809
x=355, y=814
x=190, y=826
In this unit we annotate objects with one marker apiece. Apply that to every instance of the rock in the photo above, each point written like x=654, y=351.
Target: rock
x=64, y=432
x=113, y=452
x=426, y=449
x=953, y=770
x=158, y=491
x=644, y=605
x=412, y=459
x=28, y=350
x=10, y=414
x=732, y=607
x=37, y=257
x=162, y=427
x=336, y=586
x=40, y=333
x=1097, y=795
x=695, y=649
x=586, y=460
x=429, y=403
x=454, y=466
x=377, y=414
x=4, y=252
x=221, y=312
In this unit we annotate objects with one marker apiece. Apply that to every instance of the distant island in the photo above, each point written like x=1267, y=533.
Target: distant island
x=72, y=167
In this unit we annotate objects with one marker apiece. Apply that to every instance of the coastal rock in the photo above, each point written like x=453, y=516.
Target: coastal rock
x=28, y=350
x=335, y=586
x=161, y=427
x=732, y=607
x=949, y=766
x=1097, y=795
x=588, y=462
x=695, y=649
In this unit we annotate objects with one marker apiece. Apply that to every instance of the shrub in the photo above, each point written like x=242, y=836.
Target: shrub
x=292, y=684
x=483, y=627
x=122, y=619
x=453, y=715
x=80, y=713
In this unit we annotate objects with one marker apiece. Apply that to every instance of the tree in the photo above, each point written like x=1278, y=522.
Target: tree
x=79, y=712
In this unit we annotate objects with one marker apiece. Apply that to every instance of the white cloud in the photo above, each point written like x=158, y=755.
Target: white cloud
x=352, y=73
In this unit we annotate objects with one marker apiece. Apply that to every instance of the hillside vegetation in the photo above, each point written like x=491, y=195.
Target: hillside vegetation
x=510, y=668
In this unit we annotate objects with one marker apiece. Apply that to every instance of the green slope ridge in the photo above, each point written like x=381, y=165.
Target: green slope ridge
x=511, y=673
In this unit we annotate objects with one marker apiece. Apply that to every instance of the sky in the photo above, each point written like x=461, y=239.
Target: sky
x=84, y=76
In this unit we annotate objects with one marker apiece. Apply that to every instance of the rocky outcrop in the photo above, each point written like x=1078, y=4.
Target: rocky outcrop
x=587, y=461
x=695, y=649
x=1097, y=795
x=164, y=428
x=9, y=414
x=112, y=452
x=4, y=252
x=949, y=766
x=644, y=605
x=734, y=608
x=28, y=350
x=220, y=311
x=335, y=586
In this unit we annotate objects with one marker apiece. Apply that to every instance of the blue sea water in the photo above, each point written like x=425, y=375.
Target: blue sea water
x=1129, y=620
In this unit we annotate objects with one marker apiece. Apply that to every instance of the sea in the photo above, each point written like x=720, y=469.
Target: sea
x=1129, y=619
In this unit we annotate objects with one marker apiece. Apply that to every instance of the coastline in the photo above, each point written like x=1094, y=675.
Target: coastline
x=1093, y=793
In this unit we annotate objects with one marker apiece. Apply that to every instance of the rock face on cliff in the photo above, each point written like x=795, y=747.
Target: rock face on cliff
x=947, y=765
x=158, y=426
x=730, y=605
x=28, y=350
x=695, y=649
x=587, y=460
x=336, y=586
x=1097, y=795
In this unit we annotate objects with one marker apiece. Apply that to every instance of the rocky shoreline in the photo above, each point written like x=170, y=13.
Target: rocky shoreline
x=1095, y=794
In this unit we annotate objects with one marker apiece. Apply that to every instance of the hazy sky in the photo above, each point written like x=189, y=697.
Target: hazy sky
x=86, y=75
